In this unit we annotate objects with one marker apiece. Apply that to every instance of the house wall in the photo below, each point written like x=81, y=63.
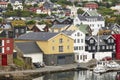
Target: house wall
x=10, y=59
x=72, y=28
x=83, y=57
x=94, y=25
x=52, y=46
x=7, y=45
x=53, y=59
x=43, y=45
x=36, y=57
x=101, y=55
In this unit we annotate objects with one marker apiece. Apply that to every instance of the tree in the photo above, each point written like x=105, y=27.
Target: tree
x=80, y=11
x=1, y=20
x=64, y=2
x=9, y=7
x=30, y=22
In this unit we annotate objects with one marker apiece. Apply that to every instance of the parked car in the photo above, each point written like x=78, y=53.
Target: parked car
x=38, y=65
x=107, y=58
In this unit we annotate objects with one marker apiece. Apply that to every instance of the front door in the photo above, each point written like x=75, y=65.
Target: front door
x=4, y=60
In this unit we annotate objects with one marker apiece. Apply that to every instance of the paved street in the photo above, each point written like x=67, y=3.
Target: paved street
x=46, y=69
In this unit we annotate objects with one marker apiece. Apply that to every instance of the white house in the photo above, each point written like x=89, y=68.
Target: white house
x=79, y=46
x=116, y=7
x=100, y=46
x=17, y=4
x=30, y=49
x=3, y=4
x=91, y=18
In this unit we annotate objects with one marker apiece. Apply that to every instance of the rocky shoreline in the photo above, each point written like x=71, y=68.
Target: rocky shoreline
x=30, y=74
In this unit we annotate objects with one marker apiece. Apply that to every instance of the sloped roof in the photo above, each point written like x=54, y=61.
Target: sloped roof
x=13, y=1
x=83, y=28
x=41, y=27
x=28, y=47
x=69, y=33
x=5, y=26
x=101, y=38
x=42, y=36
x=114, y=25
x=91, y=13
x=85, y=18
x=59, y=25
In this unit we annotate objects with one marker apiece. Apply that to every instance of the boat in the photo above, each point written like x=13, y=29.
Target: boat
x=113, y=64
x=100, y=69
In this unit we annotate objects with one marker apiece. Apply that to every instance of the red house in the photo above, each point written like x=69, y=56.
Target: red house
x=117, y=42
x=6, y=51
x=91, y=5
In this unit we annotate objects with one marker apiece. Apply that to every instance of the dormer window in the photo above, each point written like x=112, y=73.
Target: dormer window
x=78, y=34
x=110, y=40
x=91, y=41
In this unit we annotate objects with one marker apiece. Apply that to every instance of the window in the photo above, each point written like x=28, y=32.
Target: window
x=75, y=41
x=76, y=48
x=81, y=40
x=111, y=47
x=112, y=40
x=22, y=30
x=7, y=41
x=0, y=50
x=79, y=47
x=109, y=40
x=68, y=47
x=60, y=48
x=91, y=41
x=67, y=40
x=103, y=47
x=81, y=57
x=0, y=42
x=16, y=30
x=93, y=47
x=107, y=47
x=8, y=48
x=77, y=57
x=89, y=48
x=78, y=40
x=53, y=48
x=78, y=34
x=60, y=40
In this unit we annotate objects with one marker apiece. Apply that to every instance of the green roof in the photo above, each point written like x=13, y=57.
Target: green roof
x=93, y=13
x=83, y=28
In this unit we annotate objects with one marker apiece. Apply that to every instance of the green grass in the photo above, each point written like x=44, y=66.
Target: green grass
x=18, y=62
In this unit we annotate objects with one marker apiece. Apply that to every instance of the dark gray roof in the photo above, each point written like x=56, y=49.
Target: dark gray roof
x=48, y=5
x=42, y=36
x=13, y=1
x=28, y=47
x=69, y=33
x=59, y=25
x=84, y=18
x=113, y=26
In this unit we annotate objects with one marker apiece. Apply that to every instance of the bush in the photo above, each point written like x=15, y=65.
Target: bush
x=18, y=62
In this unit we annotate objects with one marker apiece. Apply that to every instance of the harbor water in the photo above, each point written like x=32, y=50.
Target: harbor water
x=79, y=75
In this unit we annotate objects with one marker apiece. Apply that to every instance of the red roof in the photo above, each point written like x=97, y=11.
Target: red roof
x=3, y=3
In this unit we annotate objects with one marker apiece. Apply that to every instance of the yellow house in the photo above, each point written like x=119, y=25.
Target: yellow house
x=57, y=47
x=72, y=28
